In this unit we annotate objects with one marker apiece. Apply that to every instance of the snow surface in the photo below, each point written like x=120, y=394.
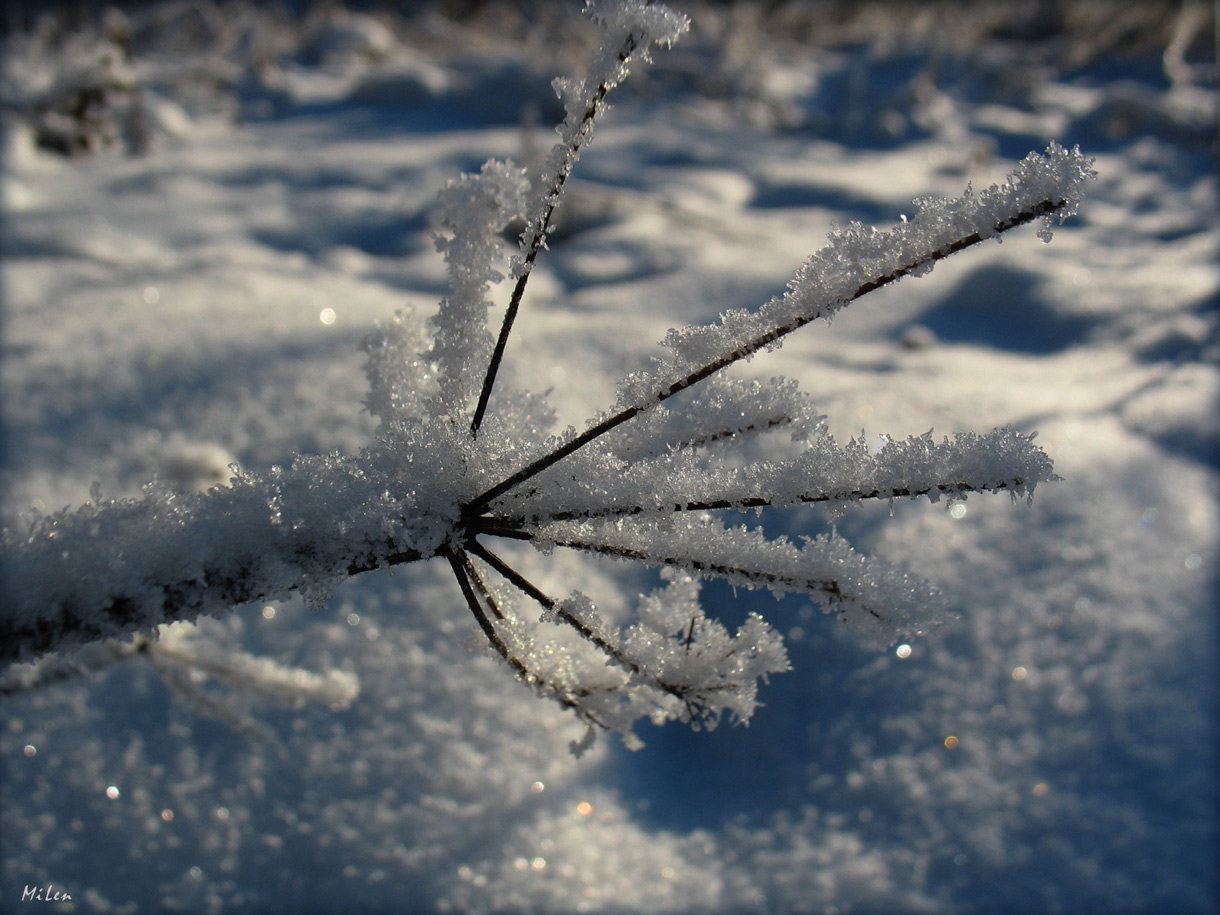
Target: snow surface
x=1052, y=748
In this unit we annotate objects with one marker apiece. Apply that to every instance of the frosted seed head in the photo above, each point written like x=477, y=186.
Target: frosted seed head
x=652, y=22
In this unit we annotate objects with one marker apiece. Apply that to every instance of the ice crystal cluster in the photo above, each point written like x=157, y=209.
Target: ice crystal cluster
x=460, y=462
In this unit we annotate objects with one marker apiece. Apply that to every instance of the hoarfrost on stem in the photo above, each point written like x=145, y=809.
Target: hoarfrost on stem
x=641, y=482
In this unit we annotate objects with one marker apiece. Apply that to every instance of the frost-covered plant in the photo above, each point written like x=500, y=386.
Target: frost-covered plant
x=77, y=100
x=185, y=660
x=459, y=461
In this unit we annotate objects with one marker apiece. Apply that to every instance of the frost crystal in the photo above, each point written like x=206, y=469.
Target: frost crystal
x=642, y=482
x=860, y=259
x=475, y=208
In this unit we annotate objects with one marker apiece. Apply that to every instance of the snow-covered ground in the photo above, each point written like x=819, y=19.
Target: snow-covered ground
x=1052, y=748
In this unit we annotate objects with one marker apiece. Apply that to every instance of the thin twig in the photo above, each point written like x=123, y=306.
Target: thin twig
x=484, y=591
x=468, y=579
x=829, y=587
x=625, y=511
x=612, y=651
x=523, y=584
x=459, y=562
x=554, y=195
x=714, y=438
x=479, y=504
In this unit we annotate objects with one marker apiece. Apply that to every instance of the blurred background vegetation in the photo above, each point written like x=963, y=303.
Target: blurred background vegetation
x=89, y=76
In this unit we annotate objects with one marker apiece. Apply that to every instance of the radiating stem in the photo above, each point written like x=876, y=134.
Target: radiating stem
x=469, y=580
x=527, y=587
x=625, y=511
x=612, y=651
x=540, y=232
x=829, y=587
x=460, y=564
x=478, y=505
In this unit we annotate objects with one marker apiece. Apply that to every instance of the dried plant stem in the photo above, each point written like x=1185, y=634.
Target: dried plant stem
x=626, y=511
x=464, y=573
x=521, y=583
x=480, y=504
x=539, y=235
x=695, y=709
x=832, y=589
x=470, y=581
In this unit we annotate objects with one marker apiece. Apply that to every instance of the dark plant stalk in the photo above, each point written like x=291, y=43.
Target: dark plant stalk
x=484, y=591
x=554, y=195
x=480, y=504
x=459, y=562
x=626, y=511
x=830, y=588
x=695, y=709
x=469, y=581
x=521, y=583
x=708, y=439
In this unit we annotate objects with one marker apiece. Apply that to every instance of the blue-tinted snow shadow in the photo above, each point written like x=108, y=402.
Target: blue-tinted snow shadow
x=851, y=206
x=482, y=94
x=372, y=122
x=685, y=779
x=378, y=235
x=1001, y=306
x=393, y=226
x=867, y=102
x=166, y=394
